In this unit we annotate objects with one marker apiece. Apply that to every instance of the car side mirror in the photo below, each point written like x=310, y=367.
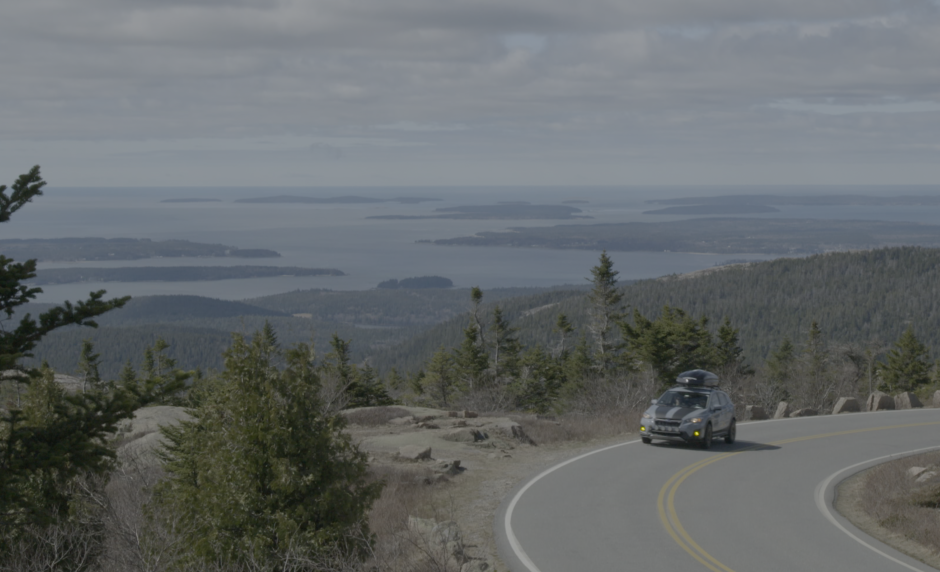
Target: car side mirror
x=716, y=407
x=654, y=401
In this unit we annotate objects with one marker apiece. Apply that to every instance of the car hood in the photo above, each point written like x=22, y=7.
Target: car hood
x=665, y=412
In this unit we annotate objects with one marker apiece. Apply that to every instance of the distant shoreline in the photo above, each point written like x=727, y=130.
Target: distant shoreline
x=53, y=276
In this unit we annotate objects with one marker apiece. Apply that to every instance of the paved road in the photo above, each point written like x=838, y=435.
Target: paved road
x=762, y=504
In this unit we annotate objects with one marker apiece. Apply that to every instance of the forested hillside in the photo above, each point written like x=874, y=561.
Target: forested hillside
x=856, y=297
x=196, y=327
x=383, y=307
x=859, y=298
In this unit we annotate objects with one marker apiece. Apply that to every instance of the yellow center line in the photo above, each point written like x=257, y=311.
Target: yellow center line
x=667, y=494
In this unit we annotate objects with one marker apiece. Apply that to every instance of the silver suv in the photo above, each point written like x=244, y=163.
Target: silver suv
x=694, y=411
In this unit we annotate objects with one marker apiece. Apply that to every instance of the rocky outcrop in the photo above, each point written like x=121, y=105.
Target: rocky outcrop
x=783, y=410
x=465, y=435
x=879, y=401
x=754, y=413
x=414, y=453
x=936, y=398
x=805, y=412
x=915, y=472
x=907, y=400
x=846, y=405
x=449, y=468
x=512, y=430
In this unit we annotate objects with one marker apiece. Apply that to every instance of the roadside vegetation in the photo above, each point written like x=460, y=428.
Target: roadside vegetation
x=900, y=499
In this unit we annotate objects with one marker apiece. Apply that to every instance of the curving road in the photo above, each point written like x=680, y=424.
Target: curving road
x=762, y=504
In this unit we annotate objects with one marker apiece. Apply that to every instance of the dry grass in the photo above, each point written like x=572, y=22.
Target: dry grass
x=577, y=427
x=374, y=416
x=409, y=492
x=898, y=503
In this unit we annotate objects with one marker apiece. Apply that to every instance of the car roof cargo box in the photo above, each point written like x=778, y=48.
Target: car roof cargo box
x=698, y=377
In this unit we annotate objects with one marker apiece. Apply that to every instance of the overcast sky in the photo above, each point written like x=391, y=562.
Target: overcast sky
x=457, y=92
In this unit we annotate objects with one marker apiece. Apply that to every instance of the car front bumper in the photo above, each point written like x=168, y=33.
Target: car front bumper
x=685, y=433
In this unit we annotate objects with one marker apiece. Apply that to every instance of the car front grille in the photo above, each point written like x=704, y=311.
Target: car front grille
x=669, y=422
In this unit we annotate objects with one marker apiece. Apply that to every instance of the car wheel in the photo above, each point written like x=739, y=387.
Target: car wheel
x=707, y=437
x=646, y=440
x=732, y=432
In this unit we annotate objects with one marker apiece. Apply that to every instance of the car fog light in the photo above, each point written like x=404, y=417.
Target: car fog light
x=642, y=428
x=696, y=433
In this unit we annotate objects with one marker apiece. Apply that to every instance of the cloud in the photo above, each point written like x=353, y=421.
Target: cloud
x=598, y=81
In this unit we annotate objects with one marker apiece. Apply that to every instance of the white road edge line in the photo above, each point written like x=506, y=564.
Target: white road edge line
x=510, y=535
x=823, y=506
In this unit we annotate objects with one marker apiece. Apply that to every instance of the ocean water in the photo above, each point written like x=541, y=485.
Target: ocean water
x=368, y=250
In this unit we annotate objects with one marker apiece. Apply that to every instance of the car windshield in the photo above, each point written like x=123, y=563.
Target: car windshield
x=686, y=399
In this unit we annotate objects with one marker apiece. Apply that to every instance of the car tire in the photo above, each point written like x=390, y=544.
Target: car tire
x=707, y=437
x=732, y=432
x=646, y=440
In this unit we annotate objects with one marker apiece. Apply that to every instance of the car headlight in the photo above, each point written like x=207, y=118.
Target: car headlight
x=647, y=416
x=695, y=420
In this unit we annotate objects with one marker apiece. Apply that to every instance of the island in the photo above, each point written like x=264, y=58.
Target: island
x=192, y=200
x=805, y=200
x=502, y=211
x=346, y=200
x=172, y=273
x=94, y=248
x=716, y=236
x=715, y=209
x=419, y=282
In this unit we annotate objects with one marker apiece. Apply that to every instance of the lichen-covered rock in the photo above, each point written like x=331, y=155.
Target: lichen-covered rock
x=915, y=472
x=846, y=405
x=907, y=400
x=414, y=452
x=464, y=435
x=879, y=401
x=754, y=413
x=511, y=429
x=783, y=410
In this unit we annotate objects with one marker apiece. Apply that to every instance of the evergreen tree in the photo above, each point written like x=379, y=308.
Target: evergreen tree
x=260, y=470
x=671, y=344
x=160, y=381
x=339, y=370
x=578, y=364
x=538, y=386
x=88, y=363
x=605, y=299
x=506, y=348
x=471, y=359
x=72, y=437
x=730, y=356
x=476, y=299
x=780, y=363
x=440, y=380
x=564, y=329
x=368, y=390
x=908, y=364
